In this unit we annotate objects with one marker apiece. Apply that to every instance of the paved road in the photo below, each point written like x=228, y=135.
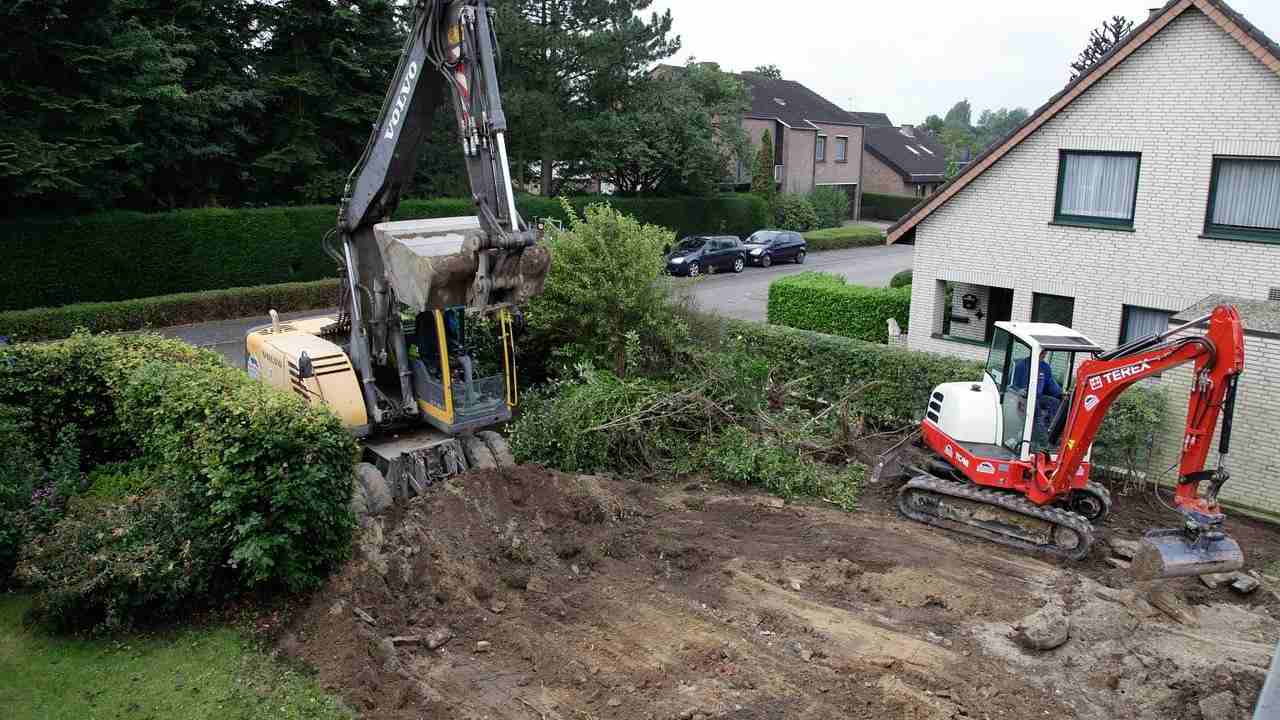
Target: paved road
x=738, y=296
x=745, y=296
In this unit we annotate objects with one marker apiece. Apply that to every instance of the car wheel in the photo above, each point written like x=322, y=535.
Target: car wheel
x=766, y=260
x=694, y=269
x=738, y=264
x=800, y=258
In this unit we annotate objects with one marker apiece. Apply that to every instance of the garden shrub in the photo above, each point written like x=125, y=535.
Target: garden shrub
x=166, y=310
x=883, y=206
x=902, y=279
x=125, y=255
x=844, y=237
x=18, y=468
x=219, y=482
x=826, y=303
x=738, y=457
x=794, y=212
x=606, y=301
x=831, y=206
x=1126, y=438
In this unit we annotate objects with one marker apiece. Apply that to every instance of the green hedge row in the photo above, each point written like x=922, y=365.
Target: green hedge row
x=844, y=237
x=125, y=255
x=166, y=310
x=882, y=206
x=230, y=485
x=895, y=383
x=826, y=303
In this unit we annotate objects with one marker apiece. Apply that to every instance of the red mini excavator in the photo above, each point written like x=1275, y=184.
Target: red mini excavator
x=1009, y=455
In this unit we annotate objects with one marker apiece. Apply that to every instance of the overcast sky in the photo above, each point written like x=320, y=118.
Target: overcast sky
x=912, y=58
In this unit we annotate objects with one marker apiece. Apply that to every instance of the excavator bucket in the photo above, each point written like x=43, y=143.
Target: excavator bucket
x=433, y=264
x=1170, y=554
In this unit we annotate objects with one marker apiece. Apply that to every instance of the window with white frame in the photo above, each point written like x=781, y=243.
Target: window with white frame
x=1244, y=199
x=820, y=149
x=1097, y=188
x=842, y=149
x=1140, y=322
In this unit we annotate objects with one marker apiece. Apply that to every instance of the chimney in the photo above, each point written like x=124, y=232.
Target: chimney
x=908, y=130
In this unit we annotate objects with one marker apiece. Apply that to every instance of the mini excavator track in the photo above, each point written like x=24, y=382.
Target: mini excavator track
x=1002, y=517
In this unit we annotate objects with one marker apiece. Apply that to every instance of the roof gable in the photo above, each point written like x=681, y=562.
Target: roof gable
x=792, y=103
x=1231, y=22
x=917, y=158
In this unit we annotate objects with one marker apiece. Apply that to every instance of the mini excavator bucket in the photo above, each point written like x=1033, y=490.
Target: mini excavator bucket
x=434, y=264
x=1176, y=553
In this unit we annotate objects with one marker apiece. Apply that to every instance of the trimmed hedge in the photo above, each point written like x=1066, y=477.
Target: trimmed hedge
x=245, y=488
x=125, y=255
x=844, y=237
x=826, y=303
x=166, y=310
x=883, y=206
x=902, y=279
x=895, y=382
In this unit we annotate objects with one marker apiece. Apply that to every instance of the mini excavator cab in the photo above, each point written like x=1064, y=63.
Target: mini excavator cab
x=1027, y=356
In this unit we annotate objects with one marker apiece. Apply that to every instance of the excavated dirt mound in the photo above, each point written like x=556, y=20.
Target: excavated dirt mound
x=531, y=594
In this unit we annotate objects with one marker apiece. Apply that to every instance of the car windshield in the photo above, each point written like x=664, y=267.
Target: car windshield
x=689, y=244
x=762, y=238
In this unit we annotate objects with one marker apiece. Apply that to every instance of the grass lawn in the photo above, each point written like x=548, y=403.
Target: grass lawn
x=205, y=673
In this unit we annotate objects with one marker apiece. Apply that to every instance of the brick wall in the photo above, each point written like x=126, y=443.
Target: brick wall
x=840, y=173
x=799, y=151
x=880, y=178
x=1190, y=93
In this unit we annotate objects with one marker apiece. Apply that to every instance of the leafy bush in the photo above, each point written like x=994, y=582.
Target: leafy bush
x=17, y=469
x=794, y=212
x=822, y=302
x=902, y=279
x=883, y=206
x=844, y=237
x=831, y=206
x=125, y=255
x=166, y=310
x=1126, y=438
x=887, y=385
x=738, y=457
x=606, y=301
x=239, y=486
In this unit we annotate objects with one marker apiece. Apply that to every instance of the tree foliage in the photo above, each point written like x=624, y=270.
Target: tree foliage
x=962, y=139
x=1101, y=40
x=770, y=71
x=762, y=182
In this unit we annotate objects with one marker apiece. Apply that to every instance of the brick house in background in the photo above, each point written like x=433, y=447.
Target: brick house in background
x=1141, y=189
x=815, y=142
x=902, y=161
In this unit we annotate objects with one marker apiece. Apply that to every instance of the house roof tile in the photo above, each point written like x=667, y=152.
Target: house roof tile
x=792, y=103
x=917, y=158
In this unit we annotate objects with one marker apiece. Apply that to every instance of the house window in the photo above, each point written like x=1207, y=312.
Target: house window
x=842, y=149
x=968, y=313
x=1057, y=309
x=1244, y=199
x=1097, y=189
x=820, y=149
x=1140, y=322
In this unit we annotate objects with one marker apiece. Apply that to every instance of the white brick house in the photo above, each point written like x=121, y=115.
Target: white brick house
x=1147, y=185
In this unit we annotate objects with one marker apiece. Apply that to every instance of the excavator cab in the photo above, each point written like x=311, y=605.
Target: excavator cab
x=463, y=365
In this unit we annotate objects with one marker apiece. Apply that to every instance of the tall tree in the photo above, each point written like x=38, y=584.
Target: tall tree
x=960, y=116
x=566, y=61
x=75, y=78
x=762, y=182
x=325, y=66
x=769, y=71
x=1101, y=40
x=679, y=135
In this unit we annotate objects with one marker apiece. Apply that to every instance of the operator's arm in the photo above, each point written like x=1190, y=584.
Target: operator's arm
x=1051, y=386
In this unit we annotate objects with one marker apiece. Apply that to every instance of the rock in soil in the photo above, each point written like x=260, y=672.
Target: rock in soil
x=1244, y=584
x=1125, y=549
x=436, y=639
x=483, y=646
x=1045, y=629
x=1214, y=580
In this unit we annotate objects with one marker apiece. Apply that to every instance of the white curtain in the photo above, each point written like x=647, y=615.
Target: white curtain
x=1140, y=322
x=1099, y=186
x=1248, y=194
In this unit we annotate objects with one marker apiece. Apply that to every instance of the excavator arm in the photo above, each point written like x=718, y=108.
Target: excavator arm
x=451, y=48
x=1218, y=356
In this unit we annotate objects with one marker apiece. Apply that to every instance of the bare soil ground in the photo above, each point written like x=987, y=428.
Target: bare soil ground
x=583, y=597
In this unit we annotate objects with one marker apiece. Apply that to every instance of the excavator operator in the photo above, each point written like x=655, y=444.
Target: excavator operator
x=428, y=340
x=1048, y=392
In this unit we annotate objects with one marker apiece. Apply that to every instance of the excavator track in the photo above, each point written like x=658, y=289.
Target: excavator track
x=1001, y=517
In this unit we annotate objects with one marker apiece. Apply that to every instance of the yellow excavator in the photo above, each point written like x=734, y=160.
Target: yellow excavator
x=419, y=361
